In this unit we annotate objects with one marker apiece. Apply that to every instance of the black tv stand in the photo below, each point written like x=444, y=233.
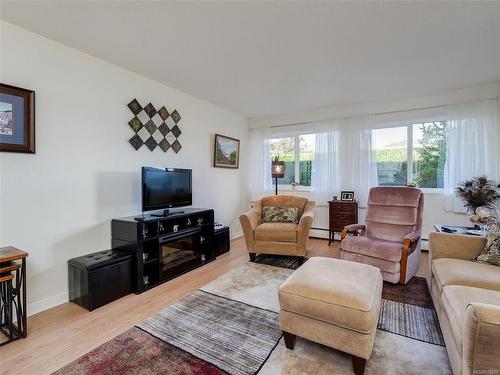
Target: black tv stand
x=166, y=213
x=165, y=247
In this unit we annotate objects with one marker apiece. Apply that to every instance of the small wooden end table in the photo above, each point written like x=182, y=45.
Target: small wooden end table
x=13, y=297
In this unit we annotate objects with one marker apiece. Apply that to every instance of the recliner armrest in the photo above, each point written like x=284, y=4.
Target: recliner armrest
x=413, y=236
x=481, y=339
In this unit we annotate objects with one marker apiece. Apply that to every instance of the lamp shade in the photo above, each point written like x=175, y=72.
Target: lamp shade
x=278, y=169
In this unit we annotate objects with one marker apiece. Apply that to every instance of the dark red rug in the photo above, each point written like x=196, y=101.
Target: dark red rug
x=136, y=352
x=416, y=292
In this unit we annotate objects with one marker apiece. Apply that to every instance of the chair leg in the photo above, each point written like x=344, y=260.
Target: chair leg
x=289, y=340
x=252, y=257
x=358, y=365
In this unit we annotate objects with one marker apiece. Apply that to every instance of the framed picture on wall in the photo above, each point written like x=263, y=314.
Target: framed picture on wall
x=226, y=152
x=17, y=119
x=347, y=196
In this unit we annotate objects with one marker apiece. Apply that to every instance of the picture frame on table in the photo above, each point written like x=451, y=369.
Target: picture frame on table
x=226, y=152
x=347, y=196
x=17, y=119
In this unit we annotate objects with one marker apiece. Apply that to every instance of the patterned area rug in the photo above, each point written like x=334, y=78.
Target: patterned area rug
x=136, y=352
x=232, y=335
x=230, y=326
x=406, y=310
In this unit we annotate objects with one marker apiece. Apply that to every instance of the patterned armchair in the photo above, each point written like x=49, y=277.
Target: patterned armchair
x=277, y=237
x=390, y=240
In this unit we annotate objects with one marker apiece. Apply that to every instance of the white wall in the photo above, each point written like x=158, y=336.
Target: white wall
x=58, y=203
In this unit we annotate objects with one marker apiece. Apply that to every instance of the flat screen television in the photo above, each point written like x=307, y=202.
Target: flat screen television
x=164, y=188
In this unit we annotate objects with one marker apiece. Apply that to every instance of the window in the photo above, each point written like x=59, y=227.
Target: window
x=413, y=153
x=297, y=152
x=392, y=155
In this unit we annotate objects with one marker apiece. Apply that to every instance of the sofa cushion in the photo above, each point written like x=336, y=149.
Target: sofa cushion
x=286, y=232
x=334, y=291
x=466, y=273
x=455, y=299
x=280, y=215
x=373, y=247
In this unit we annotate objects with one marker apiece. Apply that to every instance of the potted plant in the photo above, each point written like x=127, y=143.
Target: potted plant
x=477, y=192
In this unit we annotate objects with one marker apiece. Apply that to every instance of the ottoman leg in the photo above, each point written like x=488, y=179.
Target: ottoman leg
x=358, y=365
x=252, y=257
x=289, y=340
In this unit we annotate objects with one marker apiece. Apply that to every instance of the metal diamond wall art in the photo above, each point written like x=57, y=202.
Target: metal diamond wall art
x=154, y=128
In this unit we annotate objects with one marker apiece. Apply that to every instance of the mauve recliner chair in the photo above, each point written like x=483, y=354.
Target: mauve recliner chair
x=390, y=240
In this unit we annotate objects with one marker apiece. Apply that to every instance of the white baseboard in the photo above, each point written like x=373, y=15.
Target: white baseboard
x=318, y=233
x=46, y=303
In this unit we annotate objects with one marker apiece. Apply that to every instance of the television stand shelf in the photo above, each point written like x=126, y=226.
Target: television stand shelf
x=165, y=247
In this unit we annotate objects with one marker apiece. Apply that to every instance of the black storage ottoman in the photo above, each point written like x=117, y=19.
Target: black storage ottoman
x=99, y=278
x=222, y=243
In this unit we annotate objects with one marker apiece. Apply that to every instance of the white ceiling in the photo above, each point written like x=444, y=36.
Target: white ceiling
x=262, y=58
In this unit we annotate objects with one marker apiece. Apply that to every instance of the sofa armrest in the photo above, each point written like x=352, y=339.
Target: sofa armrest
x=457, y=246
x=305, y=224
x=481, y=339
x=249, y=221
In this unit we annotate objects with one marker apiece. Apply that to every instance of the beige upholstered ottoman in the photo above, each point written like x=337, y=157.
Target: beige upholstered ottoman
x=335, y=303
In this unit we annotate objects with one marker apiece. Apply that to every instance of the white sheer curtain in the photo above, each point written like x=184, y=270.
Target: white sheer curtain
x=325, y=176
x=357, y=158
x=260, y=165
x=471, y=146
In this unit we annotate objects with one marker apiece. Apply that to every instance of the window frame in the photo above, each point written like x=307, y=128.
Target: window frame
x=296, y=143
x=409, y=147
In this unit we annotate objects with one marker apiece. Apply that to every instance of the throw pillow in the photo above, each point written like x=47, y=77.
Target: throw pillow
x=280, y=215
x=491, y=252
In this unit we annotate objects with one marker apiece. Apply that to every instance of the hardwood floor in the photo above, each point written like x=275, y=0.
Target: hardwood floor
x=63, y=333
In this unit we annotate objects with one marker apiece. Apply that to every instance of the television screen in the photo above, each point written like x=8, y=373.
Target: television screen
x=165, y=188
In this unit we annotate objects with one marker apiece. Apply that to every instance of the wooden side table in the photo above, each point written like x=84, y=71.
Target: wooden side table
x=341, y=213
x=13, y=297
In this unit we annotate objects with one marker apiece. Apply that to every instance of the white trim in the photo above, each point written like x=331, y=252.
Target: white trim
x=47, y=303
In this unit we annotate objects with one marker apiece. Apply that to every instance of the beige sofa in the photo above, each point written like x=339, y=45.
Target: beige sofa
x=278, y=238
x=466, y=295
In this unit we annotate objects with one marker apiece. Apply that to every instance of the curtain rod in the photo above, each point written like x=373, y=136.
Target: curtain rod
x=372, y=114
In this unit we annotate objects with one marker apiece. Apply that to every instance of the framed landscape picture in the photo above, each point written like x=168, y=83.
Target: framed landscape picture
x=17, y=119
x=226, y=152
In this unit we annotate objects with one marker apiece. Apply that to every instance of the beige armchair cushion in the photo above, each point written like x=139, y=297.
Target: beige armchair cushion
x=286, y=232
x=465, y=273
x=455, y=299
